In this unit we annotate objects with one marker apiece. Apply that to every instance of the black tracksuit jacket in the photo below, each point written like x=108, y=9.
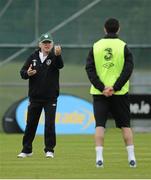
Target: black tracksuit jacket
x=124, y=76
x=44, y=85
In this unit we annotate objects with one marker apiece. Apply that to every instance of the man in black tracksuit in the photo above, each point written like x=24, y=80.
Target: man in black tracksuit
x=42, y=70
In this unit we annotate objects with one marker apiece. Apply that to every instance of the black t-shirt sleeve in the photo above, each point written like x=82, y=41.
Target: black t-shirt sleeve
x=127, y=70
x=91, y=72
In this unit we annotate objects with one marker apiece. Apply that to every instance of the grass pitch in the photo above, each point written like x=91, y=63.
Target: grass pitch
x=75, y=158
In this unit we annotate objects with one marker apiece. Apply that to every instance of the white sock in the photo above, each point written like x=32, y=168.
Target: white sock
x=130, y=151
x=99, y=153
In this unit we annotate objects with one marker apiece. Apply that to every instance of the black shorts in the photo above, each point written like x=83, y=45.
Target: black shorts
x=117, y=105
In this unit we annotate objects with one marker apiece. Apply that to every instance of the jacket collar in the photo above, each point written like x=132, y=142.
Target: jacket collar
x=49, y=55
x=111, y=35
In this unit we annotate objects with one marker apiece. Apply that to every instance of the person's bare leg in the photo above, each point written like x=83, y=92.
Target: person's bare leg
x=99, y=142
x=128, y=139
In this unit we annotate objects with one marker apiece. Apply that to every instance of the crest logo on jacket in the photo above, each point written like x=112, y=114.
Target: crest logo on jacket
x=48, y=62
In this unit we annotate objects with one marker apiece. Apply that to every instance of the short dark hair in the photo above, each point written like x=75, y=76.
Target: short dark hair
x=111, y=25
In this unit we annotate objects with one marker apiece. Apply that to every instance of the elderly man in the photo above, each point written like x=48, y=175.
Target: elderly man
x=42, y=70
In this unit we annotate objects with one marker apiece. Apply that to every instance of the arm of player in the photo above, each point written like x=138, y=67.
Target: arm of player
x=91, y=72
x=127, y=70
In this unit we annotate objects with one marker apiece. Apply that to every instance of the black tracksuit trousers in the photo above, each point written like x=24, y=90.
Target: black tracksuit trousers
x=33, y=115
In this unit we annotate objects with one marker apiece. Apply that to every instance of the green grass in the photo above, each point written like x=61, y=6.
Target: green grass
x=75, y=158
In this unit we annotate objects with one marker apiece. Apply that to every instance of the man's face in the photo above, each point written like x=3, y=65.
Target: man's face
x=46, y=46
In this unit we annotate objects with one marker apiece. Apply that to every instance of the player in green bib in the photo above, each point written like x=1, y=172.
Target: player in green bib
x=109, y=66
